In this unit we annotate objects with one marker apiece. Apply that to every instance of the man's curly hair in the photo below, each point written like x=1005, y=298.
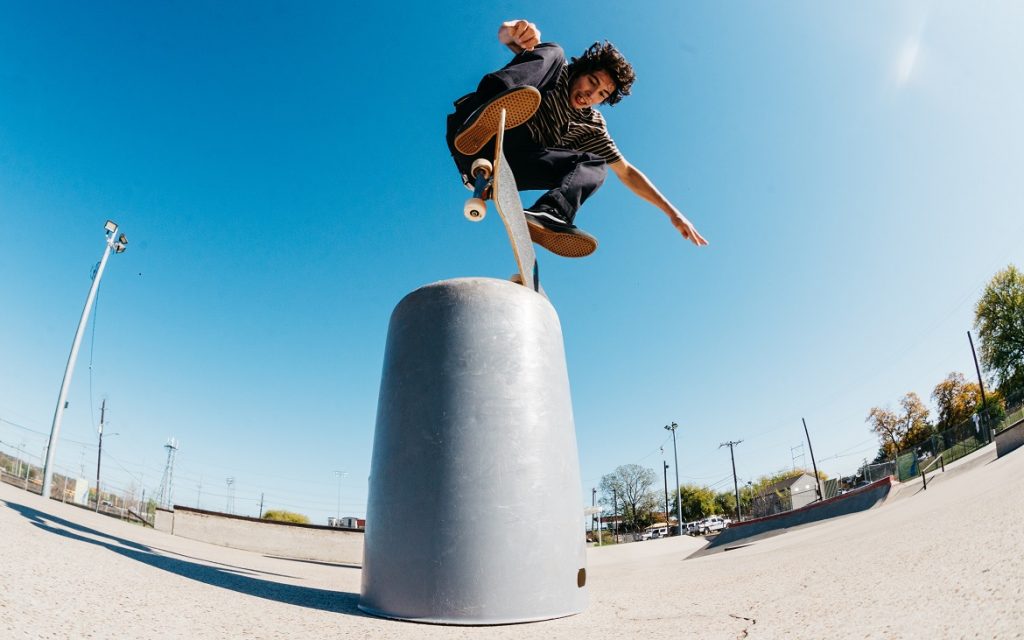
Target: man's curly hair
x=605, y=56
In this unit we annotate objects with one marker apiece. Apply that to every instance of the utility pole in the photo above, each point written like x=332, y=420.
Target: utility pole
x=99, y=455
x=735, y=483
x=981, y=385
x=679, y=498
x=810, y=447
x=261, y=505
x=615, y=513
x=117, y=245
x=593, y=504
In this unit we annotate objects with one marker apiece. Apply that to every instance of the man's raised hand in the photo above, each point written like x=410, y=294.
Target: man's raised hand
x=519, y=35
x=689, y=231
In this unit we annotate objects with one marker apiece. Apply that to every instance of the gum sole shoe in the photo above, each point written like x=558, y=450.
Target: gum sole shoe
x=519, y=103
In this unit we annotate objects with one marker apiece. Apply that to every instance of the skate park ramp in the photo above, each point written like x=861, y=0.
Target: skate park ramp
x=860, y=499
x=941, y=563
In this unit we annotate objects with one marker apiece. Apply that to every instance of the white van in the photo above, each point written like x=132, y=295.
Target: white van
x=655, y=531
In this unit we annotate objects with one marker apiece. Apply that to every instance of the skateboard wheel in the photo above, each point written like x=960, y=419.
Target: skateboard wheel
x=475, y=209
x=481, y=165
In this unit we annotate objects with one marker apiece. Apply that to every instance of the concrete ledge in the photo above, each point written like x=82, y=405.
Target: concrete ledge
x=284, y=539
x=1010, y=438
x=164, y=520
x=860, y=499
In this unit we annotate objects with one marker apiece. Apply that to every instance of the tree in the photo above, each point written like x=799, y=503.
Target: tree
x=631, y=486
x=898, y=430
x=956, y=399
x=999, y=321
x=725, y=503
x=698, y=502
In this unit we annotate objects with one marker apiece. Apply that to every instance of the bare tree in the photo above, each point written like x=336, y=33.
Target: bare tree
x=632, y=487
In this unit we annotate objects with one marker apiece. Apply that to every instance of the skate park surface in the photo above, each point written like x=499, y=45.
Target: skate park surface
x=941, y=563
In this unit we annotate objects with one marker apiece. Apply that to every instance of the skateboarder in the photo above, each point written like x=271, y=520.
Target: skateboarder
x=564, y=146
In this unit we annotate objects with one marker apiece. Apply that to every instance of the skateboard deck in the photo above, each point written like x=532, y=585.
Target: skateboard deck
x=510, y=207
x=499, y=183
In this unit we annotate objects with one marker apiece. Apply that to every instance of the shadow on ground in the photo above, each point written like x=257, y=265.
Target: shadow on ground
x=322, y=599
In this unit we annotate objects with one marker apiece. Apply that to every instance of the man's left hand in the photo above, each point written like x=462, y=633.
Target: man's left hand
x=689, y=231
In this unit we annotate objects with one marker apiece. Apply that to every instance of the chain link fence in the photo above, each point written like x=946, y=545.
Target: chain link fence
x=959, y=441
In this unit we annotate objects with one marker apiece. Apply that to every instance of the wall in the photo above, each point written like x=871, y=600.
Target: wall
x=164, y=520
x=1010, y=438
x=299, y=541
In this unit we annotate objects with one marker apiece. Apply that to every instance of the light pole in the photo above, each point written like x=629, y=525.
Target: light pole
x=118, y=245
x=665, y=474
x=679, y=498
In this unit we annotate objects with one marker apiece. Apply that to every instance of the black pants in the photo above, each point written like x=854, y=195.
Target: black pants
x=569, y=176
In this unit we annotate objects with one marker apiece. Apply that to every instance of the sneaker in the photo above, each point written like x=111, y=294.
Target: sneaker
x=519, y=103
x=558, y=236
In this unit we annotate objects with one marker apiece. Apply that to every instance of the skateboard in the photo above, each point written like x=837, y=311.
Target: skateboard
x=496, y=181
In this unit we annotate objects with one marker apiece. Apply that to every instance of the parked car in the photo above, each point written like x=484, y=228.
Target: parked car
x=655, y=532
x=712, y=524
x=693, y=528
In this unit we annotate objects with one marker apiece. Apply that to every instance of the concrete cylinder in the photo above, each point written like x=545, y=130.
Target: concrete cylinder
x=474, y=512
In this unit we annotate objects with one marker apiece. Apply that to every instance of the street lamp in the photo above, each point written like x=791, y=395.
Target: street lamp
x=679, y=498
x=117, y=245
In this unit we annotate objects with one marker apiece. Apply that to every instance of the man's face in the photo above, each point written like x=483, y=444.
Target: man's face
x=591, y=88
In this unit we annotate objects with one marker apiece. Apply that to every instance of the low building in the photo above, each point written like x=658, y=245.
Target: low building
x=786, y=495
x=347, y=522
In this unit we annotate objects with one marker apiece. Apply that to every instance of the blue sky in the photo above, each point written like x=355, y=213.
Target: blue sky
x=281, y=174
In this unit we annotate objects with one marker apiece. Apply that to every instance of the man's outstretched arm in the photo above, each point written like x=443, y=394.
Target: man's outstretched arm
x=519, y=35
x=639, y=184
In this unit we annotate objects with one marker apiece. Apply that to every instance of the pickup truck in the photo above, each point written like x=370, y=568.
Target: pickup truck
x=712, y=524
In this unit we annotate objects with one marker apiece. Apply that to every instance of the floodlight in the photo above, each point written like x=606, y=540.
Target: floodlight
x=111, y=226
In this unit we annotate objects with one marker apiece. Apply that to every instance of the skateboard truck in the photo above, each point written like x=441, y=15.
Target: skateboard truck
x=476, y=207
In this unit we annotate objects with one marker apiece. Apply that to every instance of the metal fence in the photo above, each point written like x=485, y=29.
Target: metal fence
x=956, y=442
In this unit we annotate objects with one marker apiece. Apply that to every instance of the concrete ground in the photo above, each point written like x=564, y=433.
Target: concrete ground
x=941, y=563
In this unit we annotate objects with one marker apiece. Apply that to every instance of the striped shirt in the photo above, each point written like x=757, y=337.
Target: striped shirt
x=558, y=125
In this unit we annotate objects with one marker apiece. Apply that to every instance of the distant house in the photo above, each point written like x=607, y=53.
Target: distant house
x=786, y=495
x=347, y=522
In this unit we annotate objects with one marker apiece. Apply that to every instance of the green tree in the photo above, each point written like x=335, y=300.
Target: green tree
x=956, y=399
x=725, y=503
x=632, y=487
x=899, y=430
x=999, y=321
x=279, y=515
x=698, y=502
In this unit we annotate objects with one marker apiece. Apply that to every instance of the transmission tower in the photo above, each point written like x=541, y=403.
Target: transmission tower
x=167, y=483
x=231, y=495
x=796, y=453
